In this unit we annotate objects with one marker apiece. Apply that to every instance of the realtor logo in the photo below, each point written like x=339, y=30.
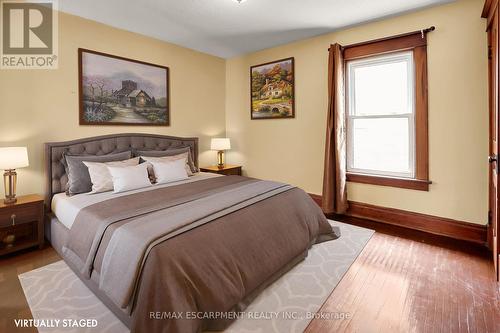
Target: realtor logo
x=29, y=34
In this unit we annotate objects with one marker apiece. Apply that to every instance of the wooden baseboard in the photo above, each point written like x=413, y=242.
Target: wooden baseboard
x=317, y=198
x=428, y=223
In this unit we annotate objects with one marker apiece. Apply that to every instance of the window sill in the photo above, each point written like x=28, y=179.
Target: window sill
x=412, y=184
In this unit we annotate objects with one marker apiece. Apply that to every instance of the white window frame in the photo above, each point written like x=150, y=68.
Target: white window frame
x=351, y=65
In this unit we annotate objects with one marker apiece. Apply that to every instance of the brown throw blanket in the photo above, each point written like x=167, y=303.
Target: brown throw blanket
x=180, y=257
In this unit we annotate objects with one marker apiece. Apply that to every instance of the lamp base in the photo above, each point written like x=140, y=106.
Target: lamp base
x=10, y=201
x=220, y=159
x=10, y=182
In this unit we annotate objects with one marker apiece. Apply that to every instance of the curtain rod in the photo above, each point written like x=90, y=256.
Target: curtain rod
x=421, y=31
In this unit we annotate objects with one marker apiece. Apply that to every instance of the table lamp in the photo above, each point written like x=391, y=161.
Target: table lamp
x=220, y=144
x=12, y=158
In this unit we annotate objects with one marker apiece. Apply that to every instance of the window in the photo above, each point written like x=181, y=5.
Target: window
x=380, y=121
x=386, y=109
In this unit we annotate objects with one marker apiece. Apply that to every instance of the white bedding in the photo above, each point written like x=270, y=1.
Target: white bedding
x=66, y=208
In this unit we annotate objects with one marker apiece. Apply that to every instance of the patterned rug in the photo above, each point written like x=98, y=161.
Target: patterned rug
x=288, y=305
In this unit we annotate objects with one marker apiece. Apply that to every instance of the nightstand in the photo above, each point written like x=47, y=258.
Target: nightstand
x=21, y=224
x=227, y=170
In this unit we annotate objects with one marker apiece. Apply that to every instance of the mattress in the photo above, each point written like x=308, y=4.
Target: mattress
x=66, y=208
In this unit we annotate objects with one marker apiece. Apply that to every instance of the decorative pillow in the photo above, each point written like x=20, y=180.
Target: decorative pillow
x=169, y=171
x=99, y=174
x=169, y=152
x=183, y=156
x=78, y=173
x=129, y=177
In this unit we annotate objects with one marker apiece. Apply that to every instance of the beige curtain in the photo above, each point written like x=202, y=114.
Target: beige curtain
x=334, y=178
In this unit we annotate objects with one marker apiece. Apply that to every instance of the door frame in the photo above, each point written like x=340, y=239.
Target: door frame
x=491, y=13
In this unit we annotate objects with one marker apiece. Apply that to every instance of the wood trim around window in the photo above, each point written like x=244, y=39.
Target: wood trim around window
x=382, y=46
x=412, y=184
x=416, y=42
x=421, y=114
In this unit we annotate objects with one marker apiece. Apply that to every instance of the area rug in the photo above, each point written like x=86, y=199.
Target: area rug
x=54, y=292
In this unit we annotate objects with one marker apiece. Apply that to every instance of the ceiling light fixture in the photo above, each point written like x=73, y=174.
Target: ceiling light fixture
x=239, y=1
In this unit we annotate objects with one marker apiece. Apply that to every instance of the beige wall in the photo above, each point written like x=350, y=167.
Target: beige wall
x=291, y=150
x=40, y=106
x=210, y=95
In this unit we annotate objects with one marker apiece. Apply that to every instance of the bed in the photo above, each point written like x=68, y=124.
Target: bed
x=180, y=257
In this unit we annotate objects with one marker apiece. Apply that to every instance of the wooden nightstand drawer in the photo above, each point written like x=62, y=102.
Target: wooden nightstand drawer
x=16, y=215
x=21, y=224
x=228, y=170
x=234, y=171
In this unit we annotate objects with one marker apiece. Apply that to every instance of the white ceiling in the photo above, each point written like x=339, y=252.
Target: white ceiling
x=225, y=28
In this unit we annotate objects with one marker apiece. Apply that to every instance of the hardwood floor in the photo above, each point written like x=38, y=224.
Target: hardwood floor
x=13, y=304
x=412, y=283
x=419, y=283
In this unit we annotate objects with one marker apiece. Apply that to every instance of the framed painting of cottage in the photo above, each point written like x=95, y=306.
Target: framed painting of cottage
x=119, y=91
x=272, y=87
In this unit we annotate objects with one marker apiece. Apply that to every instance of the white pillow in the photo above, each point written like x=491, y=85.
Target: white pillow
x=171, y=158
x=129, y=177
x=169, y=171
x=99, y=174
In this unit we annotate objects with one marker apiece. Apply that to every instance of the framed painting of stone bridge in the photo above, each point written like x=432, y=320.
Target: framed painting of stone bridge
x=272, y=90
x=119, y=91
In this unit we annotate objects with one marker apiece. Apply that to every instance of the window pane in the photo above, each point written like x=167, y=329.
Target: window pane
x=381, y=88
x=381, y=144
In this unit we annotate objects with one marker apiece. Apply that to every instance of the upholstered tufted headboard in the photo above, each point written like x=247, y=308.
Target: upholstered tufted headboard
x=103, y=145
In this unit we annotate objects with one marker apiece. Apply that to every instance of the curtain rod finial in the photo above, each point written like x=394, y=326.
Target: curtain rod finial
x=424, y=31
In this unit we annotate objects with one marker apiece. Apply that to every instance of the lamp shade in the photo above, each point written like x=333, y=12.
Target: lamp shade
x=220, y=144
x=13, y=158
